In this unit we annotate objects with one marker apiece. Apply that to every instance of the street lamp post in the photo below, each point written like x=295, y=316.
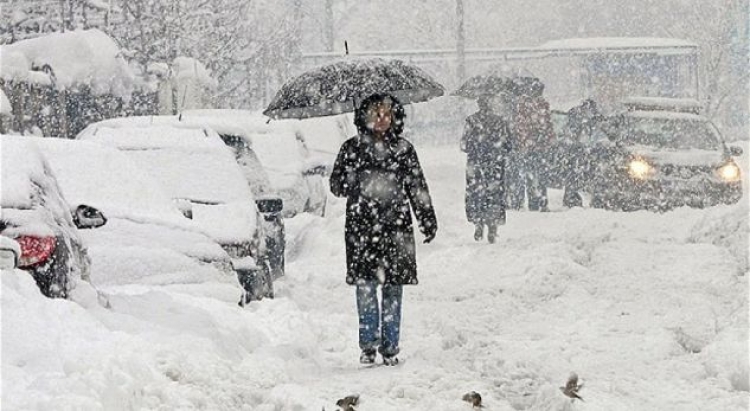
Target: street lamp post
x=460, y=42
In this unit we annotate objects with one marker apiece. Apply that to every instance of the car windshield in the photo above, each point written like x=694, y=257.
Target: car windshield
x=673, y=133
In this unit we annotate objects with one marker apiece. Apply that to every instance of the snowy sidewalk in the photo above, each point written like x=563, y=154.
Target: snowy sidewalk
x=647, y=308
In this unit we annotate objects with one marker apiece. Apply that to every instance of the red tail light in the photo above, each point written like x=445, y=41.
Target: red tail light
x=35, y=250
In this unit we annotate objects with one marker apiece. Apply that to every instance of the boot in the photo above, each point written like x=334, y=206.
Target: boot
x=390, y=360
x=478, y=231
x=367, y=356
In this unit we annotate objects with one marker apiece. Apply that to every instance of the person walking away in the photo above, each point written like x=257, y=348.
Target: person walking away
x=379, y=174
x=582, y=122
x=532, y=133
x=486, y=142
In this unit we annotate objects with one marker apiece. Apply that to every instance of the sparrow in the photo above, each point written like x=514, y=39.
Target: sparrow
x=572, y=387
x=473, y=398
x=348, y=403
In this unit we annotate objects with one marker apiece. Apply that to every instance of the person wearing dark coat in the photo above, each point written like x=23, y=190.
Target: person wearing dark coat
x=379, y=174
x=532, y=134
x=486, y=142
x=583, y=120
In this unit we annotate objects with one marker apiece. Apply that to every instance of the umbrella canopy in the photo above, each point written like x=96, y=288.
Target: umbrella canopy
x=484, y=85
x=493, y=84
x=339, y=87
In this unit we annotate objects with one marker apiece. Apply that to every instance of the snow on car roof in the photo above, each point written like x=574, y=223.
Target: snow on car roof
x=323, y=136
x=615, y=43
x=107, y=180
x=29, y=193
x=22, y=166
x=685, y=105
x=191, y=163
x=667, y=115
x=76, y=57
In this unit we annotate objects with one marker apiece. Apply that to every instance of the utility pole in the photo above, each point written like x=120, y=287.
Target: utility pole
x=460, y=42
x=329, y=26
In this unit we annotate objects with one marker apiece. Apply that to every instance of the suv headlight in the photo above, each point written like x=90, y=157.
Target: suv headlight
x=729, y=172
x=640, y=169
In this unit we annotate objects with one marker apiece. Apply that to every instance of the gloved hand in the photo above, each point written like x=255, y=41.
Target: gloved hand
x=429, y=234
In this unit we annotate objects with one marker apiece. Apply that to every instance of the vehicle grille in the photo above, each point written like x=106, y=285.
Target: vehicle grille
x=684, y=172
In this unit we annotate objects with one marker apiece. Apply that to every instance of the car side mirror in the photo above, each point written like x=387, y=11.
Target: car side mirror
x=10, y=252
x=271, y=205
x=735, y=151
x=88, y=217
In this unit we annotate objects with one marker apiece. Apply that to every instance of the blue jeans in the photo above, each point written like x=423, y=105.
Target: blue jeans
x=376, y=330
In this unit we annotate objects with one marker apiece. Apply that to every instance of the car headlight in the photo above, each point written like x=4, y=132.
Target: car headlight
x=640, y=169
x=729, y=172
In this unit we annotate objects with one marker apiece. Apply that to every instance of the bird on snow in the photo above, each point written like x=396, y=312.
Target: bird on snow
x=572, y=387
x=473, y=398
x=348, y=403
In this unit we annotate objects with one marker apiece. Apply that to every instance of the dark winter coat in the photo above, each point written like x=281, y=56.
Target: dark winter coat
x=486, y=142
x=381, y=181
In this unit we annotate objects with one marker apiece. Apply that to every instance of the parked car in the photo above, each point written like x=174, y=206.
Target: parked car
x=656, y=157
x=295, y=154
x=199, y=173
x=36, y=215
x=146, y=239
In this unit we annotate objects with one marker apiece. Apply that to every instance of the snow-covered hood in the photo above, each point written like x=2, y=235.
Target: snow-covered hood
x=692, y=157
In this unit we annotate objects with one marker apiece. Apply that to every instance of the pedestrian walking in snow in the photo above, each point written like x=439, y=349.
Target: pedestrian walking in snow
x=379, y=174
x=532, y=133
x=486, y=142
x=583, y=121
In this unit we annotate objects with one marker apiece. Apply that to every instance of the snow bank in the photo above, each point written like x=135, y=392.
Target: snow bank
x=81, y=57
x=728, y=230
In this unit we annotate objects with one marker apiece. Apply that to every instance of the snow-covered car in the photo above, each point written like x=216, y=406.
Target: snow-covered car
x=658, y=159
x=200, y=174
x=296, y=155
x=36, y=215
x=146, y=240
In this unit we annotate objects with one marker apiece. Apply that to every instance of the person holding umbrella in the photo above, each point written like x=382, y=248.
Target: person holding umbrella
x=379, y=174
x=486, y=142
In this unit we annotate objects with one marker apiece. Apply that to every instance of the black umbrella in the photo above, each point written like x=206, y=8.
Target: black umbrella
x=484, y=85
x=338, y=88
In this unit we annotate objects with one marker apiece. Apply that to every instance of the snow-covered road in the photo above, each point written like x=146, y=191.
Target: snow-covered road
x=651, y=311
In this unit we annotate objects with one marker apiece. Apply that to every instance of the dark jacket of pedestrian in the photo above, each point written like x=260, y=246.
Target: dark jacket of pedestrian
x=382, y=180
x=486, y=142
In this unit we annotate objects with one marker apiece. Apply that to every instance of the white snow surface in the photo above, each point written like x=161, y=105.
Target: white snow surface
x=146, y=239
x=650, y=310
x=192, y=164
x=5, y=107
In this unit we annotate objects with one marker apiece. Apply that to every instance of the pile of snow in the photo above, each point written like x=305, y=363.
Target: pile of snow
x=5, y=107
x=23, y=166
x=192, y=164
x=187, y=68
x=81, y=57
x=729, y=231
x=108, y=181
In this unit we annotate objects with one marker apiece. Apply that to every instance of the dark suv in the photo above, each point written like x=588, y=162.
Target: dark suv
x=653, y=158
